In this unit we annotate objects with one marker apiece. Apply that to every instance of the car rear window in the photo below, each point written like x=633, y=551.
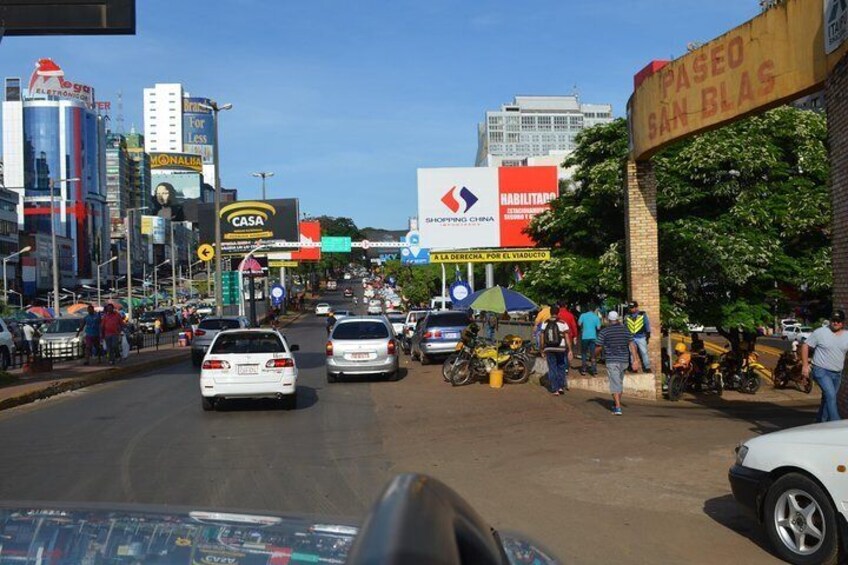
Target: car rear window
x=248, y=342
x=360, y=330
x=447, y=319
x=218, y=324
x=397, y=318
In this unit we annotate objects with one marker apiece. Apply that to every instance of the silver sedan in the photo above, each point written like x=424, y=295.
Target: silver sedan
x=362, y=346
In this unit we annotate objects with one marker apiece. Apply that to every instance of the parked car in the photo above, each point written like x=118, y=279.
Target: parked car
x=147, y=321
x=362, y=345
x=208, y=329
x=248, y=363
x=412, y=319
x=348, y=292
x=375, y=306
x=322, y=309
x=794, y=483
x=788, y=322
x=61, y=339
x=397, y=320
x=204, y=310
x=437, y=334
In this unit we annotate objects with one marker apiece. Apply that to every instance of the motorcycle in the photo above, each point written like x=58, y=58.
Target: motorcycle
x=476, y=358
x=788, y=370
x=697, y=377
x=739, y=375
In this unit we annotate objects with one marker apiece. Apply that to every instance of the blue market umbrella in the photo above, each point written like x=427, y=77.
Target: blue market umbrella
x=497, y=299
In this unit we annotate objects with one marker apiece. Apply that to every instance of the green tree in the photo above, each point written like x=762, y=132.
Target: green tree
x=744, y=218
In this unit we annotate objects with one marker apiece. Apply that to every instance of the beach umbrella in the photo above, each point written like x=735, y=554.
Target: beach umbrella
x=499, y=300
x=41, y=311
x=78, y=307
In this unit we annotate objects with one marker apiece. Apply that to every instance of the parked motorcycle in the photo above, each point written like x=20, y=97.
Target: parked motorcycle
x=476, y=358
x=741, y=375
x=697, y=377
x=788, y=370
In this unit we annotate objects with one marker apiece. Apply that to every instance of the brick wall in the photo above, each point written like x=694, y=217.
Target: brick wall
x=643, y=282
x=836, y=100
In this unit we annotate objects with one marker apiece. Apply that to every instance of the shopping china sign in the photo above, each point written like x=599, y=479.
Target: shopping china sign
x=49, y=79
x=471, y=207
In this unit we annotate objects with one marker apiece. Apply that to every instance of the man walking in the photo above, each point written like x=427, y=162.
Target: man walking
x=618, y=344
x=831, y=345
x=640, y=328
x=589, y=323
x=557, y=352
x=110, y=331
x=91, y=330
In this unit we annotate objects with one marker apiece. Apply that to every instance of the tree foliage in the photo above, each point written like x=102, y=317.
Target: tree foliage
x=744, y=220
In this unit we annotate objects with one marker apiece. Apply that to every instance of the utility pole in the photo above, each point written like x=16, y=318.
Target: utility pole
x=263, y=175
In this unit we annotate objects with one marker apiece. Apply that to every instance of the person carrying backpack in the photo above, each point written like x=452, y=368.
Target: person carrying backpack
x=555, y=346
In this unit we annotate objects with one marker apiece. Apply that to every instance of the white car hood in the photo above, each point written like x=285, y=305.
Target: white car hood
x=828, y=433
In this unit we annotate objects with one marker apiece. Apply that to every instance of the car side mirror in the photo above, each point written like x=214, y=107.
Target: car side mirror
x=294, y=347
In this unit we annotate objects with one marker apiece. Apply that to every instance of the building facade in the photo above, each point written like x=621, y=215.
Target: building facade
x=535, y=126
x=118, y=182
x=9, y=240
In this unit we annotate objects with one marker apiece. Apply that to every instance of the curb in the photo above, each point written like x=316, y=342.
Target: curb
x=59, y=387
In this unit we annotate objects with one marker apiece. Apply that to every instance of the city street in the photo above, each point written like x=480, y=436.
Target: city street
x=648, y=487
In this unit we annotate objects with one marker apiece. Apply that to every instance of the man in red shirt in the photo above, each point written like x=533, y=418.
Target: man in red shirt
x=111, y=326
x=567, y=317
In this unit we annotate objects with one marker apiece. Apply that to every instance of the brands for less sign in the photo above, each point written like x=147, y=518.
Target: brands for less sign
x=460, y=208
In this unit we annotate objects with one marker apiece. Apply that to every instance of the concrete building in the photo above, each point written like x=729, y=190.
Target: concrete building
x=47, y=138
x=139, y=170
x=535, y=126
x=9, y=241
x=118, y=182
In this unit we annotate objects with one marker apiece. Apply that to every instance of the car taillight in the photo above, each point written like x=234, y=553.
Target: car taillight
x=392, y=347
x=215, y=364
x=329, y=349
x=279, y=363
x=437, y=334
x=200, y=332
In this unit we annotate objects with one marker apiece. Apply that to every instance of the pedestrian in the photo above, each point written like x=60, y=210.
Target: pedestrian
x=618, y=345
x=565, y=315
x=331, y=322
x=640, y=328
x=29, y=338
x=831, y=345
x=157, y=329
x=589, y=323
x=111, y=327
x=555, y=347
x=491, y=323
x=91, y=332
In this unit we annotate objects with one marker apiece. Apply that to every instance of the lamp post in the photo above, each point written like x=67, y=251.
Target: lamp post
x=100, y=266
x=219, y=295
x=12, y=256
x=156, y=284
x=20, y=296
x=263, y=175
x=53, y=240
x=250, y=278
x=72, y=293
x=129, y=258
x=173, y=268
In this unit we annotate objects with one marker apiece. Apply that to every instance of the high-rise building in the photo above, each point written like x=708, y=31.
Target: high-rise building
x=534, y=127
x=118, y=182
x=52, y=133
x=139, y=170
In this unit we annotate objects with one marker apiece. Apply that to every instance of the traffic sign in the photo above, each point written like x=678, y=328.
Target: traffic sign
x=278, y=294
x=282, y=263
x=230, y=287
x=206, y=252
x=459, y=291
x=365, y=244
x=335, y=244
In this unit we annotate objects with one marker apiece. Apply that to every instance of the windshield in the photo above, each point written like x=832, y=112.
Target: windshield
x=360, y=330
x=63, y=326
x=218, y=324
x=149, y=317
x=449, y=319
x=396, y=318
x=248, y=342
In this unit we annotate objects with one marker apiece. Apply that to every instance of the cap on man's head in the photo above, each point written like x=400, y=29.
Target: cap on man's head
x=612, y=316
x=838, y=316
x=633, y=304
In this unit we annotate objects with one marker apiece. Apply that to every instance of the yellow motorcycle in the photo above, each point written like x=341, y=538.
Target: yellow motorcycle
x=475, y=359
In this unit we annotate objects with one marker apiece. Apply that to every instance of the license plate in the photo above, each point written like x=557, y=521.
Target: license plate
x=248, y=370
x=359, y=356
x=452, y=335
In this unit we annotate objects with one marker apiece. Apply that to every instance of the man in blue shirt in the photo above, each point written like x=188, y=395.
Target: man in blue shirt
x=91, y=326
x=618, y=344
x=589, y=323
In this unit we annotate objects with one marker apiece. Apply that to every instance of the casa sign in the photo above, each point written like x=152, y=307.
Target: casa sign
x=772, y=59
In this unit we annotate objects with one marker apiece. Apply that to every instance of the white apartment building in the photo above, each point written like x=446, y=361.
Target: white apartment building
x=163, y=118
x=532, y=127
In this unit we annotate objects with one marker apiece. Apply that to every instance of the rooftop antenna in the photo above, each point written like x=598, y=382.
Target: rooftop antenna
x=120, y=119
x=575, y=91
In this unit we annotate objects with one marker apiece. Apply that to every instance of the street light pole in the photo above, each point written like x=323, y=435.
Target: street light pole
x=219, y=295
x=173, y=267
x=156, y=283
x=263, y=175
x=100, y=266
x=53, y=241
x=129, y=258
x=12, y=256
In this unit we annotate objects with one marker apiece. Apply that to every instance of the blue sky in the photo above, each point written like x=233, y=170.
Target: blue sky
x=345, y=100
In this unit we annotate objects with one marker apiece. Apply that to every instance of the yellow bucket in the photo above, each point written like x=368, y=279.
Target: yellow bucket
x=496, y=378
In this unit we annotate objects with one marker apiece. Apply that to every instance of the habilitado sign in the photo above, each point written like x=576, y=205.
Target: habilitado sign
x=780, y=55
x=245, y=224
x=490, y=256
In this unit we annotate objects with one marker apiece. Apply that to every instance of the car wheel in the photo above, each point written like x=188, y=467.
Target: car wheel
x=801, y=521
x=331, y=378
x=208, y=404
x=196, y=358
x=425, y=360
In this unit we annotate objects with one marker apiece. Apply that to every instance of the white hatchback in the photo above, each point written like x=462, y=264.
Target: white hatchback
x=322, y=309
x=249, y=363
x=795, y=482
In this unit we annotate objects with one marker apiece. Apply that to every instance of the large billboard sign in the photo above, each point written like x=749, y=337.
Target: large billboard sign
x=462, y=208
x=245, y=224
x=310, y=232
x=780, y=55
x=48, y=79
x=155, y=227
x=171, y=189
x=198, y=128
x=176, y=162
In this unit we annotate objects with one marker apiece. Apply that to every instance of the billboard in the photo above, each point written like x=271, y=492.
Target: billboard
x=176, y=162
x=48, y=79
x=310, y=232
x=245, y=224
x=462, y=208
x=155, y=228
x=198, y=129
x=171, y=189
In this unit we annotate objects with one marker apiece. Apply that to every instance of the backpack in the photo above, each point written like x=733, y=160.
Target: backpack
x=552, y=337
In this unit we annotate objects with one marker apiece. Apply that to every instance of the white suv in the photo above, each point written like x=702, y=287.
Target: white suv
x=7, y=346
x=795, y=482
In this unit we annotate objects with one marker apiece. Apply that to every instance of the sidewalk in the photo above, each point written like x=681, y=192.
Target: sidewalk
x=72, y=375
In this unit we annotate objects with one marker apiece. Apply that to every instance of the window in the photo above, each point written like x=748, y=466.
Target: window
x=528, y=123
x=543, y=122
x=450, y=319
x=495, y=120
x=360, y=330
x=219, y=324
x=496, y=136
x=248, y=342
x=560, y=123
x=512, y=137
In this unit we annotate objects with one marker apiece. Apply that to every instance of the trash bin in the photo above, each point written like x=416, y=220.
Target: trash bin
x=496, y=378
